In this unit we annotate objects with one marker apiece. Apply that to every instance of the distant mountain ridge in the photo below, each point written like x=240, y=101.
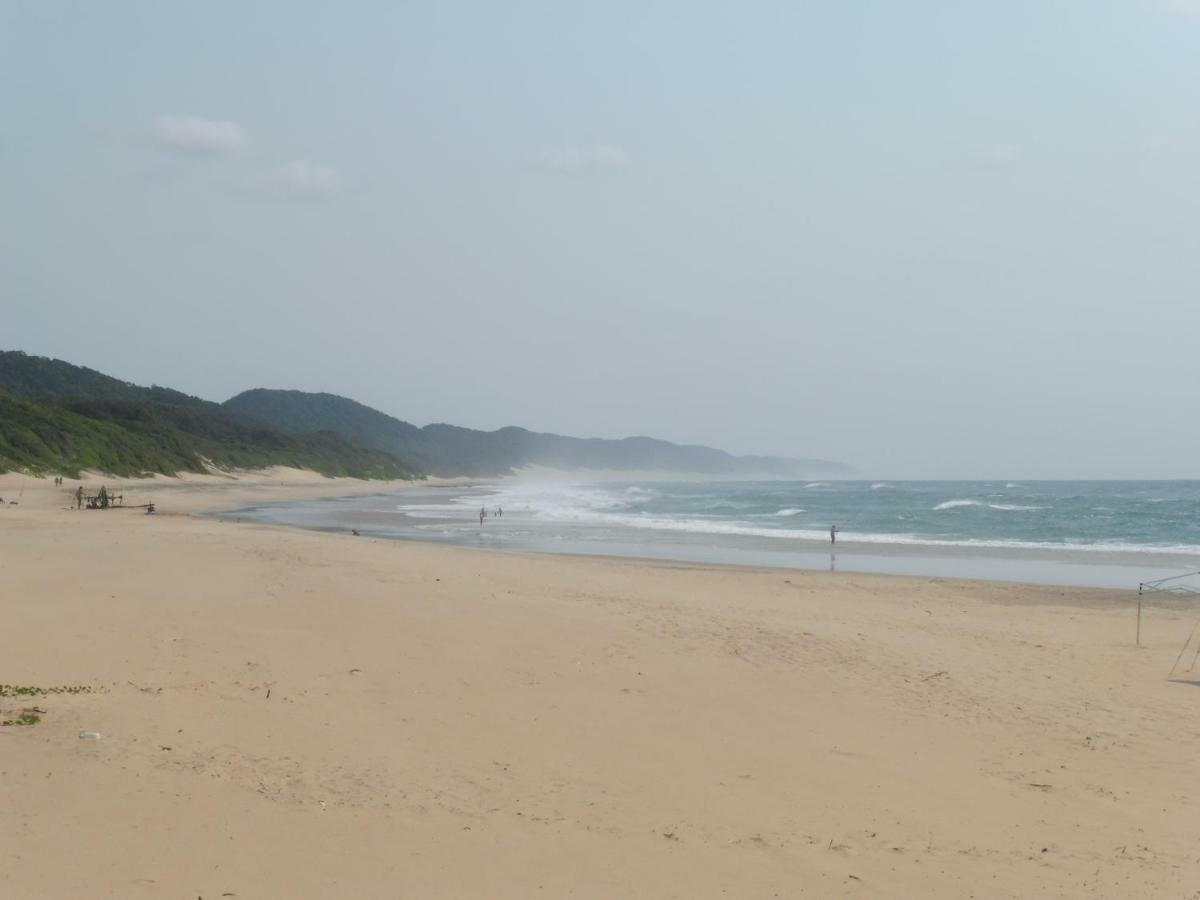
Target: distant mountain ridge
x=451, y=450
x=62, y=418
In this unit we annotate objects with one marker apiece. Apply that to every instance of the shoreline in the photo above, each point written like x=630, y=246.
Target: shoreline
x=230, y=496
x=285, y=712
x=198, y=496
x=1066, y=565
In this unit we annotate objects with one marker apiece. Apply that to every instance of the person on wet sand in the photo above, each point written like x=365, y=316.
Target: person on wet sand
x=832, y=534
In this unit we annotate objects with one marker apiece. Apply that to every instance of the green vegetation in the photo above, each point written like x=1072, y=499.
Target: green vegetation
x=60, y=418
x=44, y=380
x=31, y=715
x=21, y=690
x=38, y=439
x=26, y=717
x=55, y=417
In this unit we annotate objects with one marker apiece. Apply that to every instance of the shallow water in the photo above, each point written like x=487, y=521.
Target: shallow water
x=1110, y=534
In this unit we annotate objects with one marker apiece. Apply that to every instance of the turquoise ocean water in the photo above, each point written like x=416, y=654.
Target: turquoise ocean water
x=1067, y=532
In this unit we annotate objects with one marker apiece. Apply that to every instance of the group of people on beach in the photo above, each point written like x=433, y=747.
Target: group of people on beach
x=483, y=514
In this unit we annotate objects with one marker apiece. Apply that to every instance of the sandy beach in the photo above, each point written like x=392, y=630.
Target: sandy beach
x=294, y=714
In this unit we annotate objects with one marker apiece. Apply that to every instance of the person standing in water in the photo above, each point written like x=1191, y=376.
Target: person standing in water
x=482, y=513
x=832, y=534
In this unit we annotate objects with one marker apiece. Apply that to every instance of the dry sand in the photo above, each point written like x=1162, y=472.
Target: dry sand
x=290, y=714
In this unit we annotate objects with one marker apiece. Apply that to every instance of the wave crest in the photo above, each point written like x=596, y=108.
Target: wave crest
x=1007, y=507
x=954, y=504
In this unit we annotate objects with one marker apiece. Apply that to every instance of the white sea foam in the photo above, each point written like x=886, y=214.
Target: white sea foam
x=879, y=485
x=688, y=525
x=817, y=484
x=558, y=512
x=954, y=504
x=589, y=505
x=1010, y=507
x=636, y=491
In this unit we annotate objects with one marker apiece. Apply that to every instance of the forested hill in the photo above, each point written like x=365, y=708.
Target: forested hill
x=60, y=418
x=451, y=450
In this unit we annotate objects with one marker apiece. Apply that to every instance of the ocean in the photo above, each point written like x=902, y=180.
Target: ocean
x=1092, y=533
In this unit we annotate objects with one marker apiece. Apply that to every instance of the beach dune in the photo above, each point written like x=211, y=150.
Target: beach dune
x=295, y=714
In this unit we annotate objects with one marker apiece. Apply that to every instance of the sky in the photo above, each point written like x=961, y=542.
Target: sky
x=928, y=239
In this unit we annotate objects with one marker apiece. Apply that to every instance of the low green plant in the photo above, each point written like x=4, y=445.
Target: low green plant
x=24, y=690
x=27, y=717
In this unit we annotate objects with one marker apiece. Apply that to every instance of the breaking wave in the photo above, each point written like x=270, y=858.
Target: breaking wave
x=954, y=504
x=1008, y=507
x=756, y=516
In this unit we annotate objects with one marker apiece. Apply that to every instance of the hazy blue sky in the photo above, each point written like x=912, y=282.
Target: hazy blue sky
x=926, y=238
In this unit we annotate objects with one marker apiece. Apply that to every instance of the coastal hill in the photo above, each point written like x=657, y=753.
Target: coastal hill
x=451, y=450
x=61, y=418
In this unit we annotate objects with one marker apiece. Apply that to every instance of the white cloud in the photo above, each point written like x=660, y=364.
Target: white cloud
x=301, y=180
x=584, y=159
x=195, y=135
